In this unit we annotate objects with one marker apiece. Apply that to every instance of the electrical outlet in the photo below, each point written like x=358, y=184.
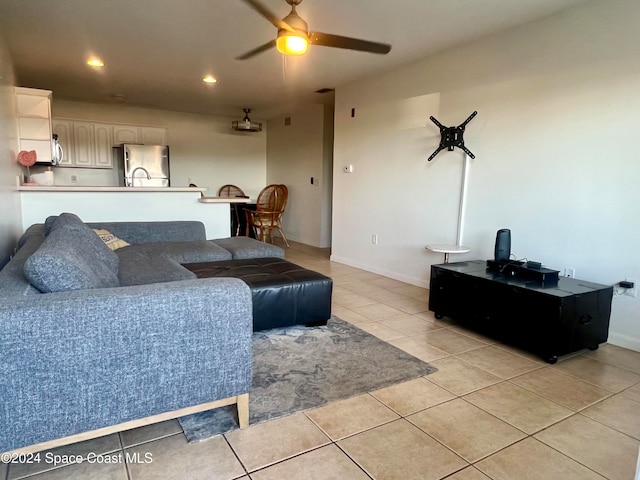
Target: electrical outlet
x=74, y=179
x=374, y=239
x=570, y=272
x=631, y=292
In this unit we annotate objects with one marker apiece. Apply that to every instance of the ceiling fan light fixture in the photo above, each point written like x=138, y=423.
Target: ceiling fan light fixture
x=294, y=36
x=95, y=62
x=295, y=39
x=289, y=43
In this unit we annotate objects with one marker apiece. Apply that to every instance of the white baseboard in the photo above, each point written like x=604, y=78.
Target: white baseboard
x=303, y=241
x=625, y=341
x=386, y=273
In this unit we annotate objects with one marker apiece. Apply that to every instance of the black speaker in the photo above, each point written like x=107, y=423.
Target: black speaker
x=502, y=249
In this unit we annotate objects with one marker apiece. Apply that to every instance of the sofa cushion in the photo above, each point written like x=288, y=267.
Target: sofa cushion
x=35, y=230
x=144, y=232
x=181, y=252
x=157, y=262
x=72, y=257
x=141, y=268
x=243, y=248
x=13, y=281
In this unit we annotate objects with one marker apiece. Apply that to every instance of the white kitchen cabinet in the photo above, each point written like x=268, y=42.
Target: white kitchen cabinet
x=103, y=146
x=126, y=134
x=90, y=144
x=139, y=135
x=153, y=135
x=85, y=144
x=34, y=121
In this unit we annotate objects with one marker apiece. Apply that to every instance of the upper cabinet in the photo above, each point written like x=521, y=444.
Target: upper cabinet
x=153, y=136
x=90, y=144
x=34, y=121
x=125, y=134
x=102, y=135
x=139, y=134
x=80, y=145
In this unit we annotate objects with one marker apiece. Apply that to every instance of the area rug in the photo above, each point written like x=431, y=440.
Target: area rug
x=297, y=368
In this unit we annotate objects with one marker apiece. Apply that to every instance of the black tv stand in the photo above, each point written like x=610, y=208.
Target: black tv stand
x=549, y=319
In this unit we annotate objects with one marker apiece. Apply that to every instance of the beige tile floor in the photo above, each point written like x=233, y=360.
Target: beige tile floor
x=490, y=412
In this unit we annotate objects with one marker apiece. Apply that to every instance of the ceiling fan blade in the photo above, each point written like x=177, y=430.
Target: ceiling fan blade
x=337, y=41
x=256, y=51
x=266, y=13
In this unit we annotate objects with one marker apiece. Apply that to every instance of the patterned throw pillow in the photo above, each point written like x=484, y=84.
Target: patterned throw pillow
x=110, y=239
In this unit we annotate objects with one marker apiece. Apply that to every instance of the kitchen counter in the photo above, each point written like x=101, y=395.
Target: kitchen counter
x=223, y=200
x=83, y=188
x=128, y=204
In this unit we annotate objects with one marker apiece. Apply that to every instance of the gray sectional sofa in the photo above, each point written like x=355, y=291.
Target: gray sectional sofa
x=94, y=341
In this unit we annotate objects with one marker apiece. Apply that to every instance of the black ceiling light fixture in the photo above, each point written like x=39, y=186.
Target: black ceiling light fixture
x=246, y=125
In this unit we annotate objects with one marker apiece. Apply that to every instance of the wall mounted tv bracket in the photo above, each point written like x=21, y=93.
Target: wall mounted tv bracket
x=451, y=137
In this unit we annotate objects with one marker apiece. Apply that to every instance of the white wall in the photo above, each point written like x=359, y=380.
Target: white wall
x=295, y=153
x=10, y=216
x=555, y=145
x=203, y=149
x=327, y=177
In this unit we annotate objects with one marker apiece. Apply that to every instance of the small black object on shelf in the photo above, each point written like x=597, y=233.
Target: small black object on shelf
x=523, y=271
x=502, y=248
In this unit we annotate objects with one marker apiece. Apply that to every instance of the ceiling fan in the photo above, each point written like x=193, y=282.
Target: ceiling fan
x=294, y=35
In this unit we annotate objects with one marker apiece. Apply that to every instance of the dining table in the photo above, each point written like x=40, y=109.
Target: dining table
x=239, y=219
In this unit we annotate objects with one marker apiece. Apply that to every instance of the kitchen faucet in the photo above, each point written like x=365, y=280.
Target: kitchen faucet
x=133, y=174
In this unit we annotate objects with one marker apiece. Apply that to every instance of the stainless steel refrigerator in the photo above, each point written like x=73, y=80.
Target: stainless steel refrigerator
x=144, y=165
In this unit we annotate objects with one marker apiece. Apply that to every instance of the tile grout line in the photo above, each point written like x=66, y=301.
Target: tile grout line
x=126, y=464
x=246, y=471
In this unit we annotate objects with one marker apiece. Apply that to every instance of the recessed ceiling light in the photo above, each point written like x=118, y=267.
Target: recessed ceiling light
x=95, y=62
x=210, y=79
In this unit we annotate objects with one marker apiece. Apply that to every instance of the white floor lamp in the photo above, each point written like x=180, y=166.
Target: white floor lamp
x=458, y=247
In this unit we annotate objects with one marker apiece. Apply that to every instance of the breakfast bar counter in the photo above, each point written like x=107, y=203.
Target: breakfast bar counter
x=103, y=204
x=85, y=188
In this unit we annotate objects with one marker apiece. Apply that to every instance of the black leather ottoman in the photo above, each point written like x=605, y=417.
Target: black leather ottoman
x=283, y=293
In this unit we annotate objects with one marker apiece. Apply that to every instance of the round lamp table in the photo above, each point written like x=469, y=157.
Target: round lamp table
x=447, y=249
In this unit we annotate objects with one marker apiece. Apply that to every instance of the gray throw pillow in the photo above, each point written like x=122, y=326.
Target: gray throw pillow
x=56, y=221
x=72, y=258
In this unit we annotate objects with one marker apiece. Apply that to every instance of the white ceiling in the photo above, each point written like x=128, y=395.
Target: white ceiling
x=157, y=51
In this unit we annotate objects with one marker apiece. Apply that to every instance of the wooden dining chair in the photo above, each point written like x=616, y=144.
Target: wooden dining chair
x=267, y=216
x=229, y=191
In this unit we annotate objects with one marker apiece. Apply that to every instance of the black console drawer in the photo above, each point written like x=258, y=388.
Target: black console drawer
x=550, y=320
